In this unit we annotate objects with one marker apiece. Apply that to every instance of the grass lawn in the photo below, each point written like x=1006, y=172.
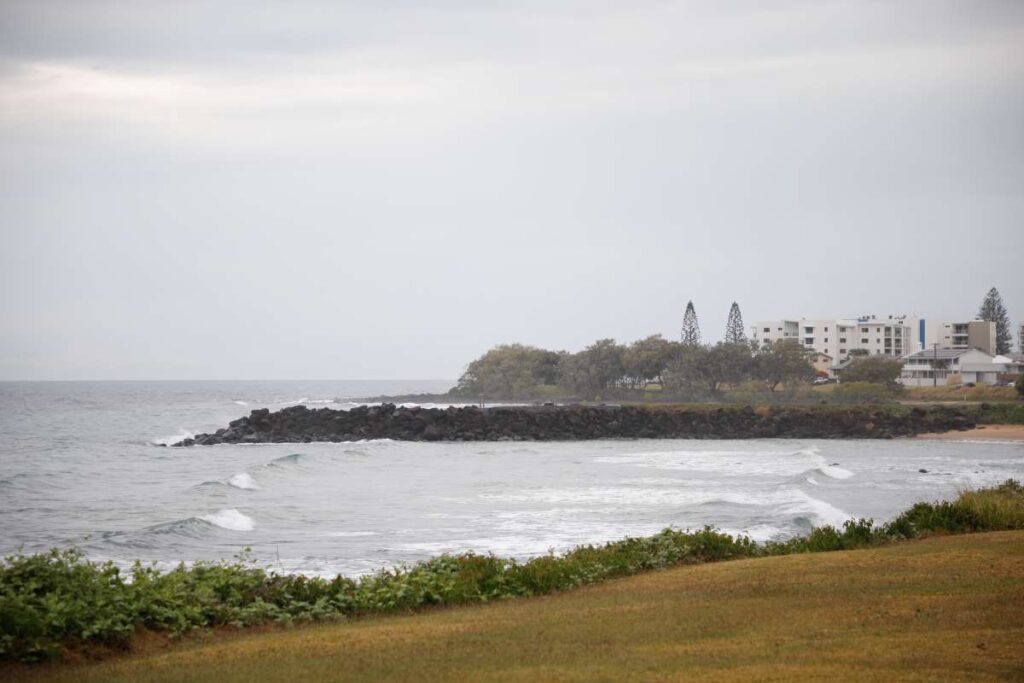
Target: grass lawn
x=946, y=608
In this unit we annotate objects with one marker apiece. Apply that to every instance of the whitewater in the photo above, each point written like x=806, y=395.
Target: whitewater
x=80, y=466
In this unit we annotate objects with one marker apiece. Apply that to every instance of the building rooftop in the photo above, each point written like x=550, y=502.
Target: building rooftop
x=940, y=353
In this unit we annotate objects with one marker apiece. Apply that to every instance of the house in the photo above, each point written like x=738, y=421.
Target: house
x=938, y=367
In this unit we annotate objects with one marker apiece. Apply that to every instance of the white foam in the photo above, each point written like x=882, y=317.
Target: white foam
x=718, y=462
x=304, y=399
x=241, y=403
x=351, y=534
x=171, y=440
x=760, y=532
x=230, y=519
x=823, y=512
x=833, y=471
x=243, y=480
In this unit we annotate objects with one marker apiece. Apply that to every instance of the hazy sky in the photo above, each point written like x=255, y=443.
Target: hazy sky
x=386, y=189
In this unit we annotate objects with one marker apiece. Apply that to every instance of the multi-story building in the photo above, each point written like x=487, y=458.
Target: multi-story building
x=837, y=337
x=973, y=334
x=1020, y=339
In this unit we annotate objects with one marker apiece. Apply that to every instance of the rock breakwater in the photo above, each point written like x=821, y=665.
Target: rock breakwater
x=299, y=424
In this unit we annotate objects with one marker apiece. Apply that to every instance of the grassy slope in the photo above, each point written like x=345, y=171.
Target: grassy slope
x=947, y=608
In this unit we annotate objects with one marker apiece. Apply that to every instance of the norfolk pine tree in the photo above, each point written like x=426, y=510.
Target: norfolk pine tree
x=691, y=328
x=992, y=309
x=734, y=333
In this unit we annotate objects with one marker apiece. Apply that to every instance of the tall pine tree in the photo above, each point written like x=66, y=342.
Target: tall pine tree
x=734, y=332
x=691, y=328
x=992, y=309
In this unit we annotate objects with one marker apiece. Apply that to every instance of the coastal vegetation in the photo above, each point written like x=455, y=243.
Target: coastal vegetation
x=735, y=369
x=60, y=602
x=946, y=608
x=648, y=368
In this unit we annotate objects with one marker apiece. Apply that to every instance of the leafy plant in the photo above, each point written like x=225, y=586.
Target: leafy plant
x=57, y=600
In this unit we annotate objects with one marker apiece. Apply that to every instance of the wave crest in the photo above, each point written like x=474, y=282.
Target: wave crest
x=230, y=519
x=244, y=481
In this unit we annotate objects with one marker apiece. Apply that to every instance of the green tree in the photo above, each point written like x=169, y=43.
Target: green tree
x=691, y=328
x=705, y=369
x=1019, y=386
x=882, y=370
x=645, y=360
x=683, y=376
x=993, y=310
x=734, y=332
x=783, y=361
x=510, y=371
x=595, y=371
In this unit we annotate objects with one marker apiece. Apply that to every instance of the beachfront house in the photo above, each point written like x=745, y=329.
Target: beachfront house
x=939, y=367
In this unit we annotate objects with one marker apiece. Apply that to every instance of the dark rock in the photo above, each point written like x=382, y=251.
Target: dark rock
x=298, y=424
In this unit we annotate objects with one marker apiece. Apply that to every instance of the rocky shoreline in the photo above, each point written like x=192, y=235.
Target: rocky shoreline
x=299, y=424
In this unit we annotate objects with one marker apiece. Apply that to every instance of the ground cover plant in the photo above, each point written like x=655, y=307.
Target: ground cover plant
x=59, y=600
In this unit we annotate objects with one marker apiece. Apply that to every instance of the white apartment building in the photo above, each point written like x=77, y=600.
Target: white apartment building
x=892, y=336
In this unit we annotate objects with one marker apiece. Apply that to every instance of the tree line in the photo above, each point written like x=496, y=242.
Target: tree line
x=686, y=369
x=607, y=369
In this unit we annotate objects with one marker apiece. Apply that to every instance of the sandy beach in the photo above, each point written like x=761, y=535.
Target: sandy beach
x=988, y=432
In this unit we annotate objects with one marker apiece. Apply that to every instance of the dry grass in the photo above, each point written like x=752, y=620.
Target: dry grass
x=942, y=609
x=981, y=392
x=995, y=507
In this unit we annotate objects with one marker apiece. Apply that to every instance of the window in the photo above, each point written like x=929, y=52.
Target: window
x=842, y=340
x=863, y=341
x=864, y=330
x=842, y=350
x=826, y=329
x=808, y=330
x=767, y=330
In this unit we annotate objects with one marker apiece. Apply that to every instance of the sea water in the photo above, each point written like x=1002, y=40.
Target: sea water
x=80, y=466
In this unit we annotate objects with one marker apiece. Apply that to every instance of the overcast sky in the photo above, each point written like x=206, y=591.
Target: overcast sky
x=217, y=190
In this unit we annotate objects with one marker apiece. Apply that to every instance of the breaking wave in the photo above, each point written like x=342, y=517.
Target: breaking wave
x=244, y=481
x=171, y=440
x=230, y=519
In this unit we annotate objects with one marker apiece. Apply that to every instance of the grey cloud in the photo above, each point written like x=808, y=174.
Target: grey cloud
x=346, y=190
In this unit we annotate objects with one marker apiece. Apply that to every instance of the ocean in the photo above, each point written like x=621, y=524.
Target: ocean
x=81, y=465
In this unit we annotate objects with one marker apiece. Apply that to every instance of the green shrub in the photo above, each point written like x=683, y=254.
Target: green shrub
x=862, y=392
x=59, y=599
